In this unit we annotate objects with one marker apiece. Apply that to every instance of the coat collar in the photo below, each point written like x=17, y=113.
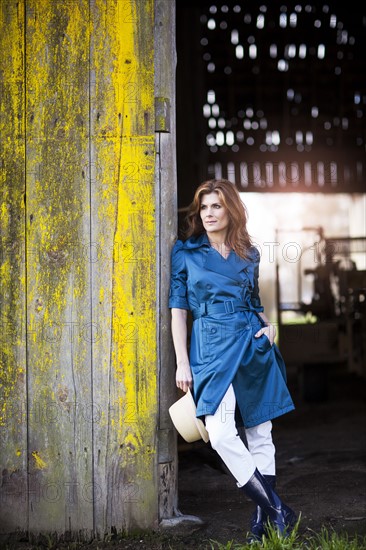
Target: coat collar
x=213, y=261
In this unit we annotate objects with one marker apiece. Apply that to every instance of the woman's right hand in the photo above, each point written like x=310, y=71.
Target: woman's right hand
x=183, y=376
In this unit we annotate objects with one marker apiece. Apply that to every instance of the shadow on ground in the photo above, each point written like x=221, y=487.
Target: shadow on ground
x=321, y=466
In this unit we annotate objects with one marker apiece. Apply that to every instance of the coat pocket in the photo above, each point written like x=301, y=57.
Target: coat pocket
x=263, y=343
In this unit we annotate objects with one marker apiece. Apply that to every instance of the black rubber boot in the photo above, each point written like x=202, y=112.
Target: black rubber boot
x=259, y=518
x=260, y=491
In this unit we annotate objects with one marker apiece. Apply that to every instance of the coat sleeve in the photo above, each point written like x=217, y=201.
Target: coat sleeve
x=178, y=278
x=255, y=298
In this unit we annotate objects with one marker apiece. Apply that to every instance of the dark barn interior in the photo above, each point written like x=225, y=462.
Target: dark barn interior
x=272, y=96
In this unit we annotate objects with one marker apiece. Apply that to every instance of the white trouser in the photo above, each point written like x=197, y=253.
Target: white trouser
x=224, y=438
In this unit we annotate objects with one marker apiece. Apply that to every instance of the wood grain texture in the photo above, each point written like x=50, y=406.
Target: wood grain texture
x=80, y=278
x=124, y=283
x=58, y=266
x=13, y=402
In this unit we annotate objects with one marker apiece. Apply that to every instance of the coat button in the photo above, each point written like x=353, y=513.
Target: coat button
x=208, y=286
x=213, y=330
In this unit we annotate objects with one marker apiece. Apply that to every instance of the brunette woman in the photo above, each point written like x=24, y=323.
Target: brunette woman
x=233, y=365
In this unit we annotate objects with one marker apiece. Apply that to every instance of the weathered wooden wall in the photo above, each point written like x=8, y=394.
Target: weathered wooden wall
x=83, y=207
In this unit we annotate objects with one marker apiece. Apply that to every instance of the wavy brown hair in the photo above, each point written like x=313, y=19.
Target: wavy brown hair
x=238, y=237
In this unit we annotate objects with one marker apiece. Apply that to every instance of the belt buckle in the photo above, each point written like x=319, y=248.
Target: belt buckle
x=229, y=306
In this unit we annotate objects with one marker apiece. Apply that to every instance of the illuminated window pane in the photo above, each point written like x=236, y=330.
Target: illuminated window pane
x=253, y=51
x=257, y=177
x=215, y=110
x=240, y=136
x=239, y=52
x=290, y=94
x=314, y=112
x=345, y=123
x=211, y=67
x=282, y=65
x=320, y=173
x=247, y=124
x=230, y=138
x=269, y=174
x=317, y=23
x=333, y=21
x=206, y=111
x=283, y=20
x=269, y=138
x=234, y=37
x=260, y=21
x=299, y=137
x=293, y=20
x=231, y=172
x=212, y=123
x=290, y=51
x=221, y=123
x=244, y=174
x=276, y=138
x=273, y=50
x=309, y=138
x=343, y=37
x=307, y=174
x=302, y=51
x=333, y=173
x=255, y=125
x=211, y=98
x=357, y=98
x=321, y=51
x=213, y=9
x=210, y=140
x=282, y=174
x=211, y=24
x=218, y=170
x=220, y=138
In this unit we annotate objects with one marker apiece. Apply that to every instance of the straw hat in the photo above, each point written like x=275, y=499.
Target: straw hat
x=183, y=415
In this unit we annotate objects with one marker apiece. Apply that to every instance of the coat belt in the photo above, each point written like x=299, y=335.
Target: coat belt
x=228, y=306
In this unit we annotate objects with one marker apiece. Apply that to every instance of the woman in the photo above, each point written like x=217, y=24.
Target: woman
x=233, y=366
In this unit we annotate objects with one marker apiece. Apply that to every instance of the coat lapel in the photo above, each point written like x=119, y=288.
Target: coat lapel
x=212, y=260
x=231, y=267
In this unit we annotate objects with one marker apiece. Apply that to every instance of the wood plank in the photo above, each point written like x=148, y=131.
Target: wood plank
x=124, y=284
x=165, y=63
x=58, y=267
x=13, y=411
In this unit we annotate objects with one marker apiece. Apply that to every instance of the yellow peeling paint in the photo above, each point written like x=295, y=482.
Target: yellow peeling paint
x=87, y=171
x=39, y=463
x=134, y=277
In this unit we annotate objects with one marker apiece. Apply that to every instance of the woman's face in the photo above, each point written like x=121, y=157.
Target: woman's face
x=214, y=215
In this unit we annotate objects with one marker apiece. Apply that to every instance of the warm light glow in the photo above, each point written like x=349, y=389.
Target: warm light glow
x=340, y=215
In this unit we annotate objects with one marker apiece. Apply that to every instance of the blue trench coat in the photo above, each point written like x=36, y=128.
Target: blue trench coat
x=223, y=296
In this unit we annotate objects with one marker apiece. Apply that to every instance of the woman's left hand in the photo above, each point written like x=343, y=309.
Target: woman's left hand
x=269, y=331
